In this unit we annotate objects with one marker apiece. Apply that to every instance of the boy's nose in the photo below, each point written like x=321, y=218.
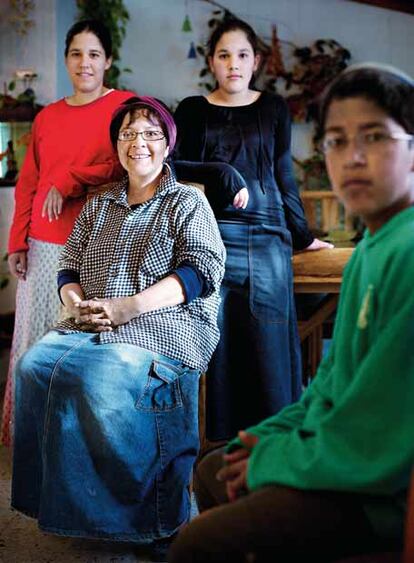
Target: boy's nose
x=355, y=152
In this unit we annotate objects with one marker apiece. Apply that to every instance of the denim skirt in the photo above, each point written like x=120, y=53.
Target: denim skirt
x=256, y=368
x=105, y=439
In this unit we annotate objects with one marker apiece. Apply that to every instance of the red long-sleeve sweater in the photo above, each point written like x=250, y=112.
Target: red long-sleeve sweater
x=70, y=149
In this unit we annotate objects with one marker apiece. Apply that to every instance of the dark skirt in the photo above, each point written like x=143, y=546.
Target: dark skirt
x=256, y=368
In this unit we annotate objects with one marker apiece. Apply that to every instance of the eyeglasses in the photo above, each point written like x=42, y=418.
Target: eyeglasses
x=367, y=141
x=147, y=135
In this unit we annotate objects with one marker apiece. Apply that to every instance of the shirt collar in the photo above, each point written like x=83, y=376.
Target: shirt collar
x=118, y=193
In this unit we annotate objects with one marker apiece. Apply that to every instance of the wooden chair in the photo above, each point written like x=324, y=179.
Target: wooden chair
x=311, y=335
x=324, y=211
x=205, y=444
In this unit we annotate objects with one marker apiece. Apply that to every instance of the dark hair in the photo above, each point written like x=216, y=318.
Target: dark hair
x=388, y=88
x=93, y=26
x=231, y=24
x=152, y=108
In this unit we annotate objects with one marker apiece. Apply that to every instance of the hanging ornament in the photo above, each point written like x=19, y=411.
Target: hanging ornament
x=192, y=53
x=274, y=64
x=186, y=25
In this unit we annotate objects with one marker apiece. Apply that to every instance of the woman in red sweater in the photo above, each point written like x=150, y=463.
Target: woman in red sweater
x=70, y=149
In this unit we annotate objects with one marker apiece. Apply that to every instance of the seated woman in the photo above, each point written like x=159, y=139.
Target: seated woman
x=106, y=428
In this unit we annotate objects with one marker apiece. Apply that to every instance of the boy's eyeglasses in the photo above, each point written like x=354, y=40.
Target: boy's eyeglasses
x=131, y=135
x=369, y=141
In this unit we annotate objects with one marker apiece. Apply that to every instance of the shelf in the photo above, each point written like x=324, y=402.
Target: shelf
x=21, y=112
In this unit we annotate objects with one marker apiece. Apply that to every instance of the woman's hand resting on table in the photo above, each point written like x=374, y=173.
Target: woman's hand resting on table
x=317, y=244
x=234, y=472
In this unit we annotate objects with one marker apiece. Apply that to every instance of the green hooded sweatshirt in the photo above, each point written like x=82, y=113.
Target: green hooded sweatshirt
x=353, y=428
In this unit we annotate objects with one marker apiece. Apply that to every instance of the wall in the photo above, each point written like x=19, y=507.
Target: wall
x=42, y=49
x=157, y=50
x=35, y=50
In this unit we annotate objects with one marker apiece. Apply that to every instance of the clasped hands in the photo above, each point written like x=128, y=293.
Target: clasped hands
x=234, y=472
x=102, y=315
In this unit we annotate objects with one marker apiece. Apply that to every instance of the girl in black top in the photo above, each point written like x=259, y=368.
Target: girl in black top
x=256, y=369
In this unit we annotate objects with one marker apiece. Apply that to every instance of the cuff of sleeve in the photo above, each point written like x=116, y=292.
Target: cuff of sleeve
x=18, y=239
x=63, y=184
x=193, y=281
x=17, y=248
x=302, y=240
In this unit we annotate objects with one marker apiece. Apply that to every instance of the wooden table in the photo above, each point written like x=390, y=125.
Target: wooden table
x=318, y=272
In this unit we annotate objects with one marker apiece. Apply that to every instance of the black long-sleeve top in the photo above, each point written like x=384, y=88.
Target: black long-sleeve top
x=255, y=141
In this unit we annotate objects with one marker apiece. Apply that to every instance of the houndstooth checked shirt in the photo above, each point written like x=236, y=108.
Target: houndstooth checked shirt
x=119, y=251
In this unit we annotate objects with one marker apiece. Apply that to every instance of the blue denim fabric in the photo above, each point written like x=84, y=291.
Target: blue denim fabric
x=105, y=439
x=256, y=368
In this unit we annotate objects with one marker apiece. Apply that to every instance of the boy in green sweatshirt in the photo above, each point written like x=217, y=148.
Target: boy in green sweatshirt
x=327, y=476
